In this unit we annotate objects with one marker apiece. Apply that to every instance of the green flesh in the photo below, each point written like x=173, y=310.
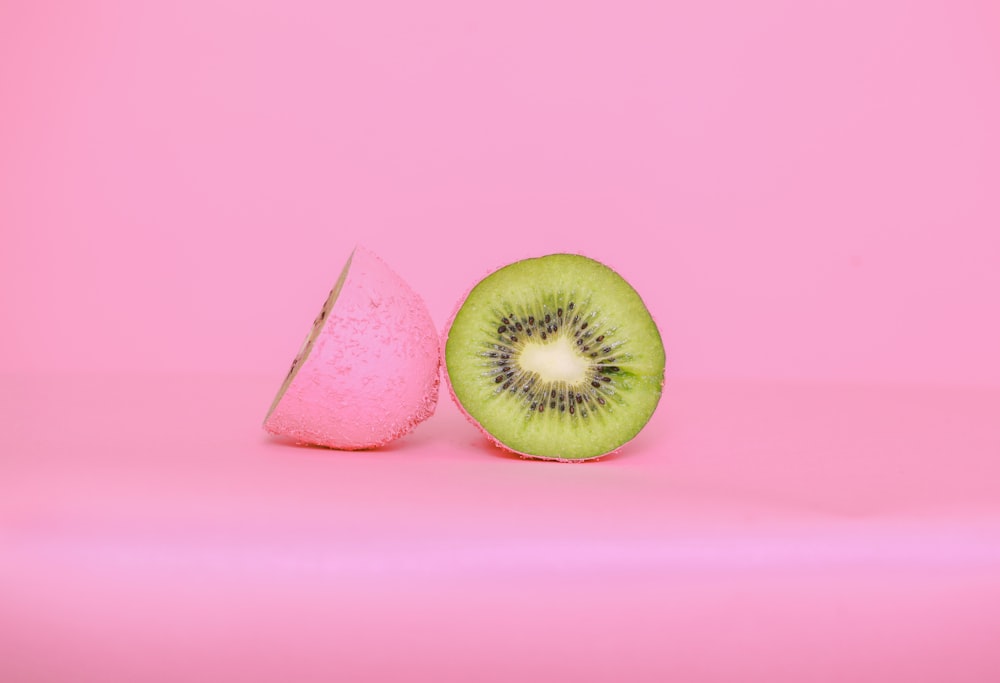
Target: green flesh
x=603, y=358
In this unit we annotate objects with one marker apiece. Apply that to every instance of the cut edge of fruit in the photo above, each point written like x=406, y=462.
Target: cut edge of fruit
x=660, y=370
x=313, y=335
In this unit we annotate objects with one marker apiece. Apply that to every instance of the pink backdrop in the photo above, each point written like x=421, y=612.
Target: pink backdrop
x=799, y=189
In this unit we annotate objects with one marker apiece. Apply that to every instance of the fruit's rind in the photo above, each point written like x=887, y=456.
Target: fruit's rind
x=368, y=372
x=500, y=421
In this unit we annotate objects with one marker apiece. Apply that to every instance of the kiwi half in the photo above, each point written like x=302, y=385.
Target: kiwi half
x=368, y=371
x=555, y=357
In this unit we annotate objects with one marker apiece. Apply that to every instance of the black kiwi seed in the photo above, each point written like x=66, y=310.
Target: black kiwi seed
x=570, y=307
x=519, y=326
x=599, y=339
x=548, y=318
x=502, y=329
x=584, y=326
x=498, y=379
x=559, y=313
x=505, y=321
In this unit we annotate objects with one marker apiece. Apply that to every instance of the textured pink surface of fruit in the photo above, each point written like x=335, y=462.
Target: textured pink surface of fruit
x=371, y=374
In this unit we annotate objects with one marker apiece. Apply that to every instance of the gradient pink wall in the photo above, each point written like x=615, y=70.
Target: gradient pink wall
x=799, y=189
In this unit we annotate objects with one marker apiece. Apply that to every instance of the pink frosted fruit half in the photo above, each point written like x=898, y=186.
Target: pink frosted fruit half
x=368, y=372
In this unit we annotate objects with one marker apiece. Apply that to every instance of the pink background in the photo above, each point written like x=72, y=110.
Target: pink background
x=807, y=195
x=799, y=189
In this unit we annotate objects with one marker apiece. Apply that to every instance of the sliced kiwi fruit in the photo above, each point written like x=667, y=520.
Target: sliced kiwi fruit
x=555, y=357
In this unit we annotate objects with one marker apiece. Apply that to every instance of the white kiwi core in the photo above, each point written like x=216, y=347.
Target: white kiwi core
x=556, y=361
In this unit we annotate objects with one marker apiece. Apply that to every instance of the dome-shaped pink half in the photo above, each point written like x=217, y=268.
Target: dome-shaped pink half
x=368, y=371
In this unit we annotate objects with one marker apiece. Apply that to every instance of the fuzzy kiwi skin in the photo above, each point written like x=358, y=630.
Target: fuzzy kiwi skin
x=650, y=375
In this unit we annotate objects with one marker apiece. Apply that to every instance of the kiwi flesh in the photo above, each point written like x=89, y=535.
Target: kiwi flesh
x=555, y=357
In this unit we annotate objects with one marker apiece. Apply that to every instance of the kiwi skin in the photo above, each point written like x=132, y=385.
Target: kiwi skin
x=649, y=372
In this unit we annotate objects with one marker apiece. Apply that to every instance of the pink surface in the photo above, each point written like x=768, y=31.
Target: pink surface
x=754, y=532
x=805, y=195
x=370, y=373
